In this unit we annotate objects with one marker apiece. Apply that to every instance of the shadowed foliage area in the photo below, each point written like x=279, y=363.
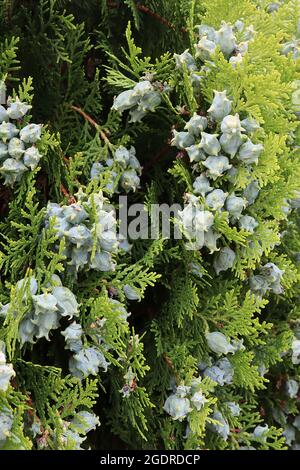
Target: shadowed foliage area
x=156, y=342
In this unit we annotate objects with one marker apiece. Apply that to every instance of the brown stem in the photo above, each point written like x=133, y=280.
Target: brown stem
x=71, y=199
x=159, y=18
x=93, y=123
x=149, y=12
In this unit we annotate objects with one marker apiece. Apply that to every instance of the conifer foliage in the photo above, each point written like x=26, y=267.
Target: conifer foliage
x=164, y=343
